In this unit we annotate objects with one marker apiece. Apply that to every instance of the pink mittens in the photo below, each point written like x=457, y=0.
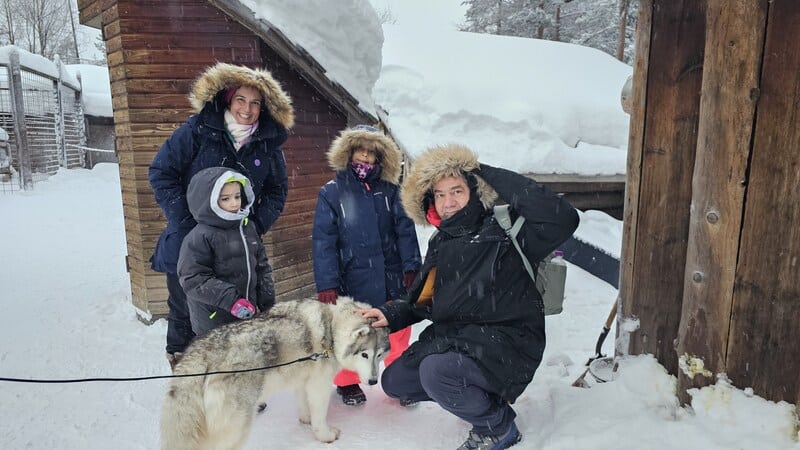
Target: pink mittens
x=243, y=309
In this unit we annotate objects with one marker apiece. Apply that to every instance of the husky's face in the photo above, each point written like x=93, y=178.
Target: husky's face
x=367, y=348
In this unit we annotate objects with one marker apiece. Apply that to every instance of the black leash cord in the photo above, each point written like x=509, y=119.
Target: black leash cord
x=312, y=357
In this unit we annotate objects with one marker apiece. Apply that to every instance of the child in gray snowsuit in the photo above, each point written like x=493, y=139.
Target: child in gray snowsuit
x=223, y=267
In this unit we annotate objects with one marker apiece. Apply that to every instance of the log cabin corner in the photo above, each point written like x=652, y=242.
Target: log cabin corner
x=155, y=50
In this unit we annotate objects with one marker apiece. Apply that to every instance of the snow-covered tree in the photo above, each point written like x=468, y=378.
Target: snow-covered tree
x=539, y=19
x=603, y=24
x=481, y=15
x=607, y=25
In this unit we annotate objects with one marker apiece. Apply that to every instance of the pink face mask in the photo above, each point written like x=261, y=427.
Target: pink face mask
x=362, y=170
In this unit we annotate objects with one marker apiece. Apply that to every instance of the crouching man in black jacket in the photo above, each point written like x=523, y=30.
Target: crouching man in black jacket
x=487, y=334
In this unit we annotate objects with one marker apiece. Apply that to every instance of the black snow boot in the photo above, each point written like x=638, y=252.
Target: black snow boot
x=352, y=394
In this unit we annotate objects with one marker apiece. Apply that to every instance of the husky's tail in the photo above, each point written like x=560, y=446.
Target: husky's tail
x=183, y=421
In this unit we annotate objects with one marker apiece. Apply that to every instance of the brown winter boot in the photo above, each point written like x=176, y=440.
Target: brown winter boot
x=173, y=359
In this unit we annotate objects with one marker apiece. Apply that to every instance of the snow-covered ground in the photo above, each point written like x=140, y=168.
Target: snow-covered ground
x=67, y=314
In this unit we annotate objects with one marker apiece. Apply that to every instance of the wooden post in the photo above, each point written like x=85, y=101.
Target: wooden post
x=660, y=164
x=622, y=27
x=20, y=129
x=733, y=49
x=762, y=345
x=59, y=116
x=82, y=129
x=634, y=168
x=713, y=174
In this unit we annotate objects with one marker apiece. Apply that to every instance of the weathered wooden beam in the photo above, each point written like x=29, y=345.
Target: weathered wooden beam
x=20, y=126
x=661, y=156
x=762, y=350
x=638, y=105
x=733, y=49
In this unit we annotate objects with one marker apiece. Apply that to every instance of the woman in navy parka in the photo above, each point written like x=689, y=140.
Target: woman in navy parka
x=364, y=244
x=242, y=119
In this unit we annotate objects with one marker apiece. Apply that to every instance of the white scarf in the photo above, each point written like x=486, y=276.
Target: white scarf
x=239, y=133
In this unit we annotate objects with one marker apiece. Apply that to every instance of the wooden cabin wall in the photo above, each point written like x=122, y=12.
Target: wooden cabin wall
x=660, y=162
x=317, y=123
x=156, y=48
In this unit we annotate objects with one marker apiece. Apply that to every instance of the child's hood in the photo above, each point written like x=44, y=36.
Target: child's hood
x=203, y=195
x=387, y=152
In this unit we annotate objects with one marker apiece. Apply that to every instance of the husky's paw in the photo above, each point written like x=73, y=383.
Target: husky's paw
x=327, y=435
x=305, y=419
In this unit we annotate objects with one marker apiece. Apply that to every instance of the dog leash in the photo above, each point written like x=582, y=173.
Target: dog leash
x=313, y=357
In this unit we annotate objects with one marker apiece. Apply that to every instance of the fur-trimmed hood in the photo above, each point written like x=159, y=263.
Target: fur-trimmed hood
x=222, y=76
x=388, y=154
x=433, y=165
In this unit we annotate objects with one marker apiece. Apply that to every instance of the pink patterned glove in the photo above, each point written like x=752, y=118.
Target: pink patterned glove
x=243, y=309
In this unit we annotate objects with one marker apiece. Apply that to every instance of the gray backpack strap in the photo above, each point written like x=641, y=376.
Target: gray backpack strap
x=503, y=218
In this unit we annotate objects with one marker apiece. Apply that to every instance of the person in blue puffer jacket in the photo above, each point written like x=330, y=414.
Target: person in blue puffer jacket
x=364, y=244
x=242, y=119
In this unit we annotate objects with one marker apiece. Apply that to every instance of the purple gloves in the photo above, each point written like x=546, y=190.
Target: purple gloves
x=243, y=309
x=327, y=296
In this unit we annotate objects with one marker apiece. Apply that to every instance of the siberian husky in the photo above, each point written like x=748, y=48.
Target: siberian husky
x=216, y=411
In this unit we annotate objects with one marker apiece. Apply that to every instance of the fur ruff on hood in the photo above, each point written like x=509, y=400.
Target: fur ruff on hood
x=433, y=165
x=389, y=156
x=222, y=76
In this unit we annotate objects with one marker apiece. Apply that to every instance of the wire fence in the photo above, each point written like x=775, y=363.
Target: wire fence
x=43, y=124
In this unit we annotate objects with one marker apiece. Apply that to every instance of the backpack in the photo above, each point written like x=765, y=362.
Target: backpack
x=551, y=273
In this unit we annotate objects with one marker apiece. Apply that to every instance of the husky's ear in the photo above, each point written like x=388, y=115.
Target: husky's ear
x=362, y=331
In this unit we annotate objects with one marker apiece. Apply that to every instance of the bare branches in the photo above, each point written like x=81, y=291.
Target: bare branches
x=38, y=26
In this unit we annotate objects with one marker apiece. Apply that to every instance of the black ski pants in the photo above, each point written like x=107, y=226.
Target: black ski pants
x=179, y=327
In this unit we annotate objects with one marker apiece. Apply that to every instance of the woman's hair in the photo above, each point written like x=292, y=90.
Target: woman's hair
x=229, y=93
